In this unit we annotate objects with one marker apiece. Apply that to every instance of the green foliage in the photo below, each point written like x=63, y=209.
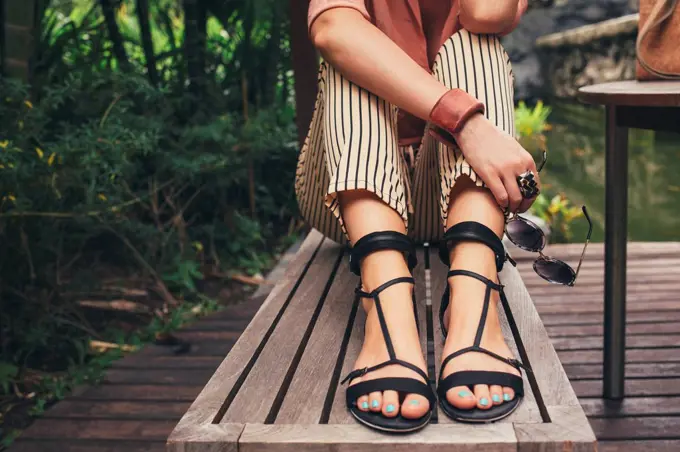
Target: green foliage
x=104, y=173
x=531, y=124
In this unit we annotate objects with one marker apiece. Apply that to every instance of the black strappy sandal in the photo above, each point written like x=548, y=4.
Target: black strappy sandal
x=375, y=242
x=476, y=232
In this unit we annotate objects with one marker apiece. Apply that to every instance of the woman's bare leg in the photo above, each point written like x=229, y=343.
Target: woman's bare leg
x=471, y=203
x=364, y=213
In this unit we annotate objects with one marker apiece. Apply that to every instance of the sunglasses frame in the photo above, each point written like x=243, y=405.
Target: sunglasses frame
x=543, y=257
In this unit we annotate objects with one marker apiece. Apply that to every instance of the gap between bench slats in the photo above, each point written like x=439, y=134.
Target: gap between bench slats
x=265, y=385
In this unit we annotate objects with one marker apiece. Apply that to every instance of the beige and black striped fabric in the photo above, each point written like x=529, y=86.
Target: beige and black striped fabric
x=353, y=142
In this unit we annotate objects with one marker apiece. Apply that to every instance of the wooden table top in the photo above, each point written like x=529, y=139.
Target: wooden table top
x=633, y=93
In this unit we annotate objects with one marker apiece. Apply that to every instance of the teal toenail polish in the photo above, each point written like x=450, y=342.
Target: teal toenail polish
x=484, y=402
x=415, y=402
x=364, y=405
x=506, y=397
x=375, y=404
x=390, y=408
x=463, y=394
x=496, y=398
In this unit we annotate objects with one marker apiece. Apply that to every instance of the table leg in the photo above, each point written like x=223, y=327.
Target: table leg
x=616, y=195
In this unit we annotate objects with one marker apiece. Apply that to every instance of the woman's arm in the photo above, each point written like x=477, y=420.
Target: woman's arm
x=367, y=57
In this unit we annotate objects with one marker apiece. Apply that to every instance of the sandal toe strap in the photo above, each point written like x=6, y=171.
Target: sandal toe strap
x=471, y=378
x=401, y=385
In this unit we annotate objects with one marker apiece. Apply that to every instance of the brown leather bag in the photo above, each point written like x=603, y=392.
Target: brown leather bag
x=658, y=43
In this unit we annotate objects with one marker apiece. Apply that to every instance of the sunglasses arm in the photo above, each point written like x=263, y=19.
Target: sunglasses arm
x=583, y=254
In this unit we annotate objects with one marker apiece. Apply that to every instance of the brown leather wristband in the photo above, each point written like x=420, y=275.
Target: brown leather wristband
x=452, y=110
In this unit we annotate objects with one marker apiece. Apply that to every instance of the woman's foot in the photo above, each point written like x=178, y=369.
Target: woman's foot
x=463, y=317
x=397, y=307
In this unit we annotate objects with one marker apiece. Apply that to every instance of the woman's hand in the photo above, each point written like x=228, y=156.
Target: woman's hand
x=498, y=159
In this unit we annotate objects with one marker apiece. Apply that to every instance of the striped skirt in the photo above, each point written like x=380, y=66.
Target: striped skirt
x=352, y=143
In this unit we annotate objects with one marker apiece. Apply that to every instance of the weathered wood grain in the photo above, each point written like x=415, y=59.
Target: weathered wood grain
x=632, y=342
x=569, y=430
x=205, y=438
x=356, y=438
x=550, y=319
x=632, y=356
x=632, y=329
x=304, y=401
x=577, y=372
x=57, y=429
x=139, y=392
x=81, y=445
x=637, y=427
x=253, y=402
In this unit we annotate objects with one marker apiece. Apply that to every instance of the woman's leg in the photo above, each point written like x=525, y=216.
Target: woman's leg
x=352, y=172
x=479, y=65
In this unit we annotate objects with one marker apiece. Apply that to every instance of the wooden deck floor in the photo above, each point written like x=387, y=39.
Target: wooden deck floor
x=145, y=394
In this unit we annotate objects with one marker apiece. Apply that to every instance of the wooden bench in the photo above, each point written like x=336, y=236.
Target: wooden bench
x=278, y=389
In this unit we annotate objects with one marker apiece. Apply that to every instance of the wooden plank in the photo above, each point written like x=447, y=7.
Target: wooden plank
x=497, y=437
x=591, y=305
x=206, y=408
x=80, y=445
x=633, y=342
x=650, y=445
x=55, y=429
x=589, y=319
x=633, y=388
x=205, y=438
x=170, y=362
x=254, y=401
x=636, y=428
x=548, y=372
x=315, y=374
x=596, y=251
x=597, y=330
x=631, y=407
x=86, y=409
x=528, y=411
x=177, y=377
x=569, y=430
x=632, y=356
x=544, y=292
x=139, y=392
x=638, y=370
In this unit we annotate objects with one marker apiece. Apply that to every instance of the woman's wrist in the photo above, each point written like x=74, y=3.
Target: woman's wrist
x=451, y=112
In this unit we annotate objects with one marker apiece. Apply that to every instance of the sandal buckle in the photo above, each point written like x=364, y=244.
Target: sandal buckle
x=355, y=374
x=520, y=365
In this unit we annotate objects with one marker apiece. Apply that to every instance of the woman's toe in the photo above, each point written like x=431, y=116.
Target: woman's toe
x=496, y=394
x=508, y=394
x=461, y=397
x=375, y=400
x=415, y=406
x=483, y=397
x=362, y=403
x=390, y=406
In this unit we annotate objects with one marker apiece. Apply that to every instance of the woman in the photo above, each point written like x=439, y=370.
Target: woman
x=413, y=134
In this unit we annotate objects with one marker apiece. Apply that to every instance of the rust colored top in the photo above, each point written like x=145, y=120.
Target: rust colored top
x=419, y=27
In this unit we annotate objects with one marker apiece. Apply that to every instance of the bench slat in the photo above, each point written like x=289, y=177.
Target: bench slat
x=357, y=438
x=255, y=399
x=307, y=394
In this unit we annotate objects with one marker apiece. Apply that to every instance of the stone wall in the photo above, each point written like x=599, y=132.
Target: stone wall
x=546, y=17
x=598, y=53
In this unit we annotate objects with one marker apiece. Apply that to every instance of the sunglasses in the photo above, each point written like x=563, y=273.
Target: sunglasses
x=526, y=235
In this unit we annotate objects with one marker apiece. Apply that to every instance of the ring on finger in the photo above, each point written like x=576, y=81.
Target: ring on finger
x=528, y=186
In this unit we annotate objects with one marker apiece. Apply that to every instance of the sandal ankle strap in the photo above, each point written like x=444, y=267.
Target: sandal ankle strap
x=472, y=231
x=379, y=241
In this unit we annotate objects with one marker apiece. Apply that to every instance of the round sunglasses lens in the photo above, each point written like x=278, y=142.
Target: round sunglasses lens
x=554, y=271
x=525, y=236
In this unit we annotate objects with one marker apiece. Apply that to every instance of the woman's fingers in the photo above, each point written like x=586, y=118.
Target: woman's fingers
x=514, y=195
x=497, y=188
